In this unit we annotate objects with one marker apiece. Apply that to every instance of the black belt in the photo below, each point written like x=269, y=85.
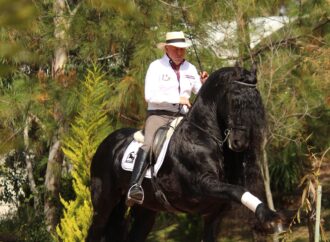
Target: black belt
x=163, y=112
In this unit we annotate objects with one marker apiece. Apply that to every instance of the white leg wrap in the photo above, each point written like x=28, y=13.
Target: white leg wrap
x=250, y=201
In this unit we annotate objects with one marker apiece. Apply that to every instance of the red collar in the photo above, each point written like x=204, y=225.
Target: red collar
x=175, y=66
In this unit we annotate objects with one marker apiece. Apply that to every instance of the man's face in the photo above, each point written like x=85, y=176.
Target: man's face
x=176, y=54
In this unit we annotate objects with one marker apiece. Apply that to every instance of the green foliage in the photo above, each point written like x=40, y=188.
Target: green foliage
x=315, y=127
x=26, y=225
x=287, y=167
x=13, y=182
x=189, y=228
x=294, y=83
x=32, y=227
x=177, y=228
x=14, y=16
x=89, y=128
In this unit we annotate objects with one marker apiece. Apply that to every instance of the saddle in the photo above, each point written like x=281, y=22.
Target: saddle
x=163, y=133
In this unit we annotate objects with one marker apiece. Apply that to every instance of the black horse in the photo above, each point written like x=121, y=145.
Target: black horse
x=211, y=161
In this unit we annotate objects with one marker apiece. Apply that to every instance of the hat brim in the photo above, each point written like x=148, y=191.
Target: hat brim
x=186, y=44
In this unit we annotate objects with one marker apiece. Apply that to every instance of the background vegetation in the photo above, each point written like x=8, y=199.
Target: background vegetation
x=71, y=71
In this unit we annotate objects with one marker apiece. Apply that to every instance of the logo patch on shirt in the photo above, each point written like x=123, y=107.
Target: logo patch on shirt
x=189, y=77
x=165, y=77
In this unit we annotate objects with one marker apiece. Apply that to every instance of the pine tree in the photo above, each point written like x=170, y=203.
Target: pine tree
x=87, y=131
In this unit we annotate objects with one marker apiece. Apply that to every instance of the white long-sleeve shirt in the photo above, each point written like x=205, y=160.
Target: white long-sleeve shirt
x=162, y=90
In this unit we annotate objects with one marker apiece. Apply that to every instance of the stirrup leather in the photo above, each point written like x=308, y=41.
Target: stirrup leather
x=130, y=198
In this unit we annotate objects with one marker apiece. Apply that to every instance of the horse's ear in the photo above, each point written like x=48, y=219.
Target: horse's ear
x=254, y=68
x=238, y=70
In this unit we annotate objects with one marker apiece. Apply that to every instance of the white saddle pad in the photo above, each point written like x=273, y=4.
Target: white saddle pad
x=128, y=160
x=127, y=163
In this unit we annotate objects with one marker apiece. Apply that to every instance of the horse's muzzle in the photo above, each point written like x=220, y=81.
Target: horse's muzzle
x=237, y=141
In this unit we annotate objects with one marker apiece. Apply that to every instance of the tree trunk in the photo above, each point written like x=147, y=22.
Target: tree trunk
x=61, y=24
x=52, y=184
x=266, y=177
x=28, y=160
x=310, y=225
x=55, y=158
x=62, y=21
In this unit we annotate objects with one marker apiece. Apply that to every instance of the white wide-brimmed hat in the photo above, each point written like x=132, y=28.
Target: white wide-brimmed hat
x=176, y=39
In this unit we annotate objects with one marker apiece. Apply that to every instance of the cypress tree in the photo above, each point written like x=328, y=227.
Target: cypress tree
x=87, y=131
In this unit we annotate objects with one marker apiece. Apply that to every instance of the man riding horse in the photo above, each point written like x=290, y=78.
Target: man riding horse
x=168, y=85
x=211, y=160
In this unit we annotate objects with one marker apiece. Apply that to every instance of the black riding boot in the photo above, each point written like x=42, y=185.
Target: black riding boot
x=135, y=193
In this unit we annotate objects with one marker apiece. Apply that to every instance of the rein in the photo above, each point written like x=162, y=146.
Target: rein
x=219, y=141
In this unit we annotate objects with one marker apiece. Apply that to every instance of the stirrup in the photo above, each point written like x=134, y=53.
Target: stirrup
x=131, y=200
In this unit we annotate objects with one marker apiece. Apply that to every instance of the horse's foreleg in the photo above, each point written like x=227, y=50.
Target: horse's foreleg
x=255, y=184
x=269, y=219
x=143, y=220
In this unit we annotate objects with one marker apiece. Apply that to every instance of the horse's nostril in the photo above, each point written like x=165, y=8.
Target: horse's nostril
x=237, y=143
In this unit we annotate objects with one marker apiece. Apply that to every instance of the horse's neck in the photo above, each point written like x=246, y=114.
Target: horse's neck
x=205, y=117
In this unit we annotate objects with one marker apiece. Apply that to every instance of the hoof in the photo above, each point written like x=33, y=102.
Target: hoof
x=270, y=221
x=278, y=229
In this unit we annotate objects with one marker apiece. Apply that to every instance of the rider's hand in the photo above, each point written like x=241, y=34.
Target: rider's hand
x=204, y=75
x=185, y=101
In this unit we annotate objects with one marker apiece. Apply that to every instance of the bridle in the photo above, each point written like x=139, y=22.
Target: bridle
x=246, y=84
x=219, y=141
x=228, y=130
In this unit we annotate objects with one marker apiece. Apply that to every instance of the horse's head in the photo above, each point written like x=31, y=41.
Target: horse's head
x=231, y=99
x=243, y=114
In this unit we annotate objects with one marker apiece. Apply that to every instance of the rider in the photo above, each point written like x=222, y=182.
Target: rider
x=168, y=86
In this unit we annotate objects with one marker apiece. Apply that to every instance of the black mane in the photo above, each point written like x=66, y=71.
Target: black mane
x=238, y=86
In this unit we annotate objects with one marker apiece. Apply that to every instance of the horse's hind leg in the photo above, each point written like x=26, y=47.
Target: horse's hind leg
x=143, y=220
x=211, y=225
x=117, y=228
x=103, y=201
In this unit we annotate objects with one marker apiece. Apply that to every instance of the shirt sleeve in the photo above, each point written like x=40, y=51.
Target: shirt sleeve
x=197, y=84
x=153, y=92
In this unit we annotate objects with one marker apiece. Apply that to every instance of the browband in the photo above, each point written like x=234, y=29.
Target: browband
x=245, y=84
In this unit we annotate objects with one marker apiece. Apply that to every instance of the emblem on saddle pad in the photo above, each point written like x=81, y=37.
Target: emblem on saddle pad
x=162, y=138
x=131, y=157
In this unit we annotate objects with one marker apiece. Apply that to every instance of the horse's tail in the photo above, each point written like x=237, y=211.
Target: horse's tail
x=107, y=186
